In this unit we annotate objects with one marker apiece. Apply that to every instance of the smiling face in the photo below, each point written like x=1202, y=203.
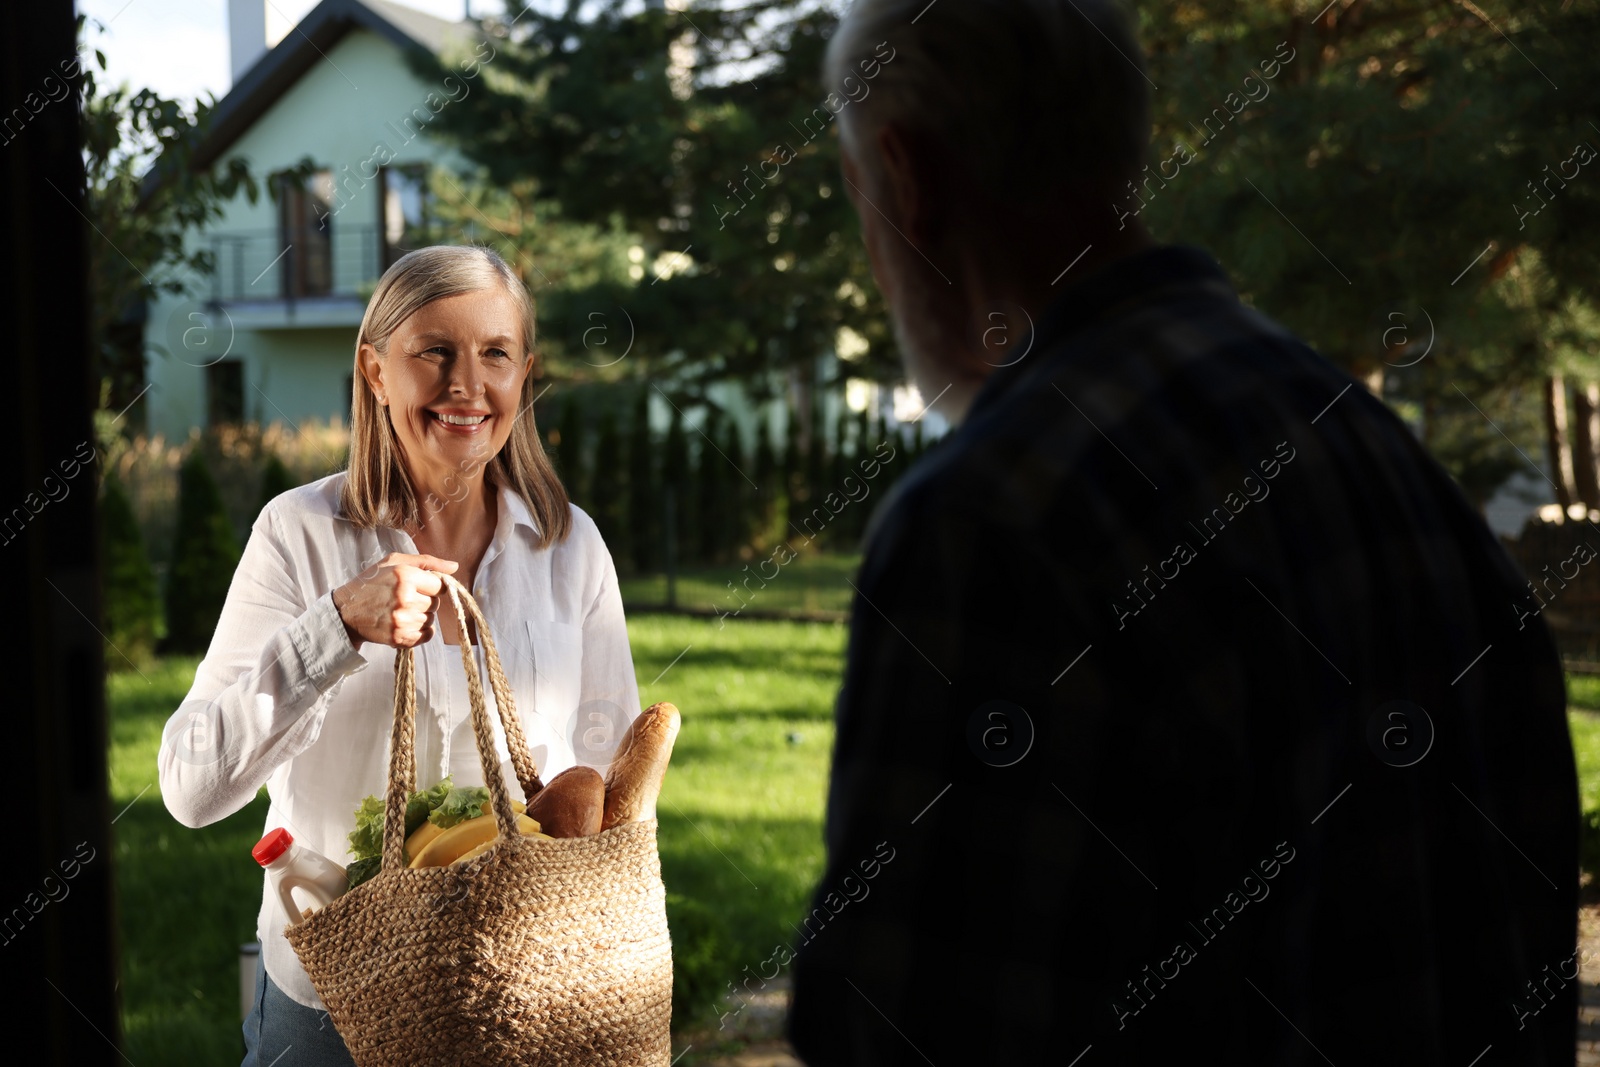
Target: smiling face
x=451, y=377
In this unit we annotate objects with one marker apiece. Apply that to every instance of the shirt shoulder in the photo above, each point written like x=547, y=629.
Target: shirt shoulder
x=583, y=552
x=584, y=533
x=320, y=499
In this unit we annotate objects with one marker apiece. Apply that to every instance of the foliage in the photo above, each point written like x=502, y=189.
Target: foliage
x=143, y=197
x=147, y=468
x=569, y=450
x=641, y=122
x=644, y=518
x=275, y=479
x=607, y=490
x=132, y=602
x=768, y=475
x=204, y=555
x=1348, y=170
x=676, y=479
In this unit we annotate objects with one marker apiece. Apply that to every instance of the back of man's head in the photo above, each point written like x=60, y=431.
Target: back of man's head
x=1037, y=98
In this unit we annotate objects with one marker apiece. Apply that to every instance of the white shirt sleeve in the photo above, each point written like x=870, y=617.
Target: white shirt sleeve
x=259, y=696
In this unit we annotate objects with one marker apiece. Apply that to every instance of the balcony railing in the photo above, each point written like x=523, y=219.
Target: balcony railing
x=261, y=265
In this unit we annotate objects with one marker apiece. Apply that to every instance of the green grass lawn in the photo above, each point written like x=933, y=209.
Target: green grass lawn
x=1583, y=713
x=740, y=828
x=812, y=583
x=740, y=825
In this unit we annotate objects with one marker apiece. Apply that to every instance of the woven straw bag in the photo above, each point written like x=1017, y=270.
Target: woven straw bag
x=536, y=952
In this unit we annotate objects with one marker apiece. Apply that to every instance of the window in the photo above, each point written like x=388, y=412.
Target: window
x=305, y=230
x=225, y=392
x=405, y=205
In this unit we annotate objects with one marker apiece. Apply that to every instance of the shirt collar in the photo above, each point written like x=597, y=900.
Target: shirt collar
x=1112, y=289
x=514, y=511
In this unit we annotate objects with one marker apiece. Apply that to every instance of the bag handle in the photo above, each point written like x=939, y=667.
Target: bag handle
x=402, y=739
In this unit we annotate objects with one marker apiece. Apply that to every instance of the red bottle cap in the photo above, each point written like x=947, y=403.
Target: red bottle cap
x=269, y=848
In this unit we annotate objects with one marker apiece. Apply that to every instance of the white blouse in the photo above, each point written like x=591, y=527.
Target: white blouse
x=283, y=700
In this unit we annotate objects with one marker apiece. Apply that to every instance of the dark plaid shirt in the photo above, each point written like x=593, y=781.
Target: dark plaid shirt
x=1191, y=714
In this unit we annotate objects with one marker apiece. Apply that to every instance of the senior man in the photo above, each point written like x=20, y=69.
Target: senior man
x=1187, y=713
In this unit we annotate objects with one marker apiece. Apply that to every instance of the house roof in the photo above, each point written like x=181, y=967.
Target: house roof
x=273, y=74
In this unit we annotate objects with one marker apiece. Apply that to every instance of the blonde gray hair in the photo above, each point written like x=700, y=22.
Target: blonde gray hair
x=1036, y=97
x=376, y=489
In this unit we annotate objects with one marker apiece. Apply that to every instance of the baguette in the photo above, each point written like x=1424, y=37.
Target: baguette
x=634, y=780
x=570, y=804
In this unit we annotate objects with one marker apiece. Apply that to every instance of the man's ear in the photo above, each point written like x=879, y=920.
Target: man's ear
x=912, y=181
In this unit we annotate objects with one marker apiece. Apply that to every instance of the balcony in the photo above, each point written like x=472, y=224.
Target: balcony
x=323, y=279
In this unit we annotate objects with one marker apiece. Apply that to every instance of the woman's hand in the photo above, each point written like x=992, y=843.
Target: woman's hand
x=393, y=601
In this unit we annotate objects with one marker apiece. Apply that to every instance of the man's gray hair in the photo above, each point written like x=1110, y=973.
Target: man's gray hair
x=1036, y=96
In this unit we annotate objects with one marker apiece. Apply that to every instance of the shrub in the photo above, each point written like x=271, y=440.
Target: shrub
x=644, y=519
x=204, y=555
x=132, y=603
x=275, y=479
x=606, y=489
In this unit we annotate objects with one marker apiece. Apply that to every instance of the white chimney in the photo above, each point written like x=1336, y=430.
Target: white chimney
x=247, y=34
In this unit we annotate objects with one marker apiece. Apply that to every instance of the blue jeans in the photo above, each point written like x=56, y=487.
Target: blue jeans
x=281, y=1031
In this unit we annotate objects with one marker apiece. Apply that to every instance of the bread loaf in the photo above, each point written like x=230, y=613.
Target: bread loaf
x=571, y=804
x=634, y=780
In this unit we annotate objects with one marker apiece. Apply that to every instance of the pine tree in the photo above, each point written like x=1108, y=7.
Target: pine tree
x=712, y=502
x=569, y=452
x=644, y=508
x=275, y=479
x=860, y=449
x=606, y=488
x=204, y=555
x=792, y=476
x=132, y=601
x=738, y=494
x=816, y=463
x=768, y=475
x=837, y=466
x=676, y=477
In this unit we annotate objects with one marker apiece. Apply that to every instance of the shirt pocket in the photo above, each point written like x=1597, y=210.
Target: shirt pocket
x=556, y=653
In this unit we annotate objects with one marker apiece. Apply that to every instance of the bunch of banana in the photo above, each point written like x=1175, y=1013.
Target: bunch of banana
x=432, y=847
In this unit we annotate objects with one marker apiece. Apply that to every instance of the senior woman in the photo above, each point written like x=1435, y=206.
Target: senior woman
x=446, y=475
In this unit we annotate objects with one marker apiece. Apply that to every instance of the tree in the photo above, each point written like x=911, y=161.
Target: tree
x=204, y=555
x=792, y=475
x=712, y=501
x=275, y=479
x=607, y=490
x=569, y=451
x=676, y=480
x=589, y=120
x=644, y=509
x=132, y=602
x=815, y=479
x=143, y=197
x=738, y=500
x=769, y=477
x=1396, y=183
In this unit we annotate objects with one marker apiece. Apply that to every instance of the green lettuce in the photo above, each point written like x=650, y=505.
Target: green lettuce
x=466, y=802
x=366, y=840
x=361, y=870
x=420, y=804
